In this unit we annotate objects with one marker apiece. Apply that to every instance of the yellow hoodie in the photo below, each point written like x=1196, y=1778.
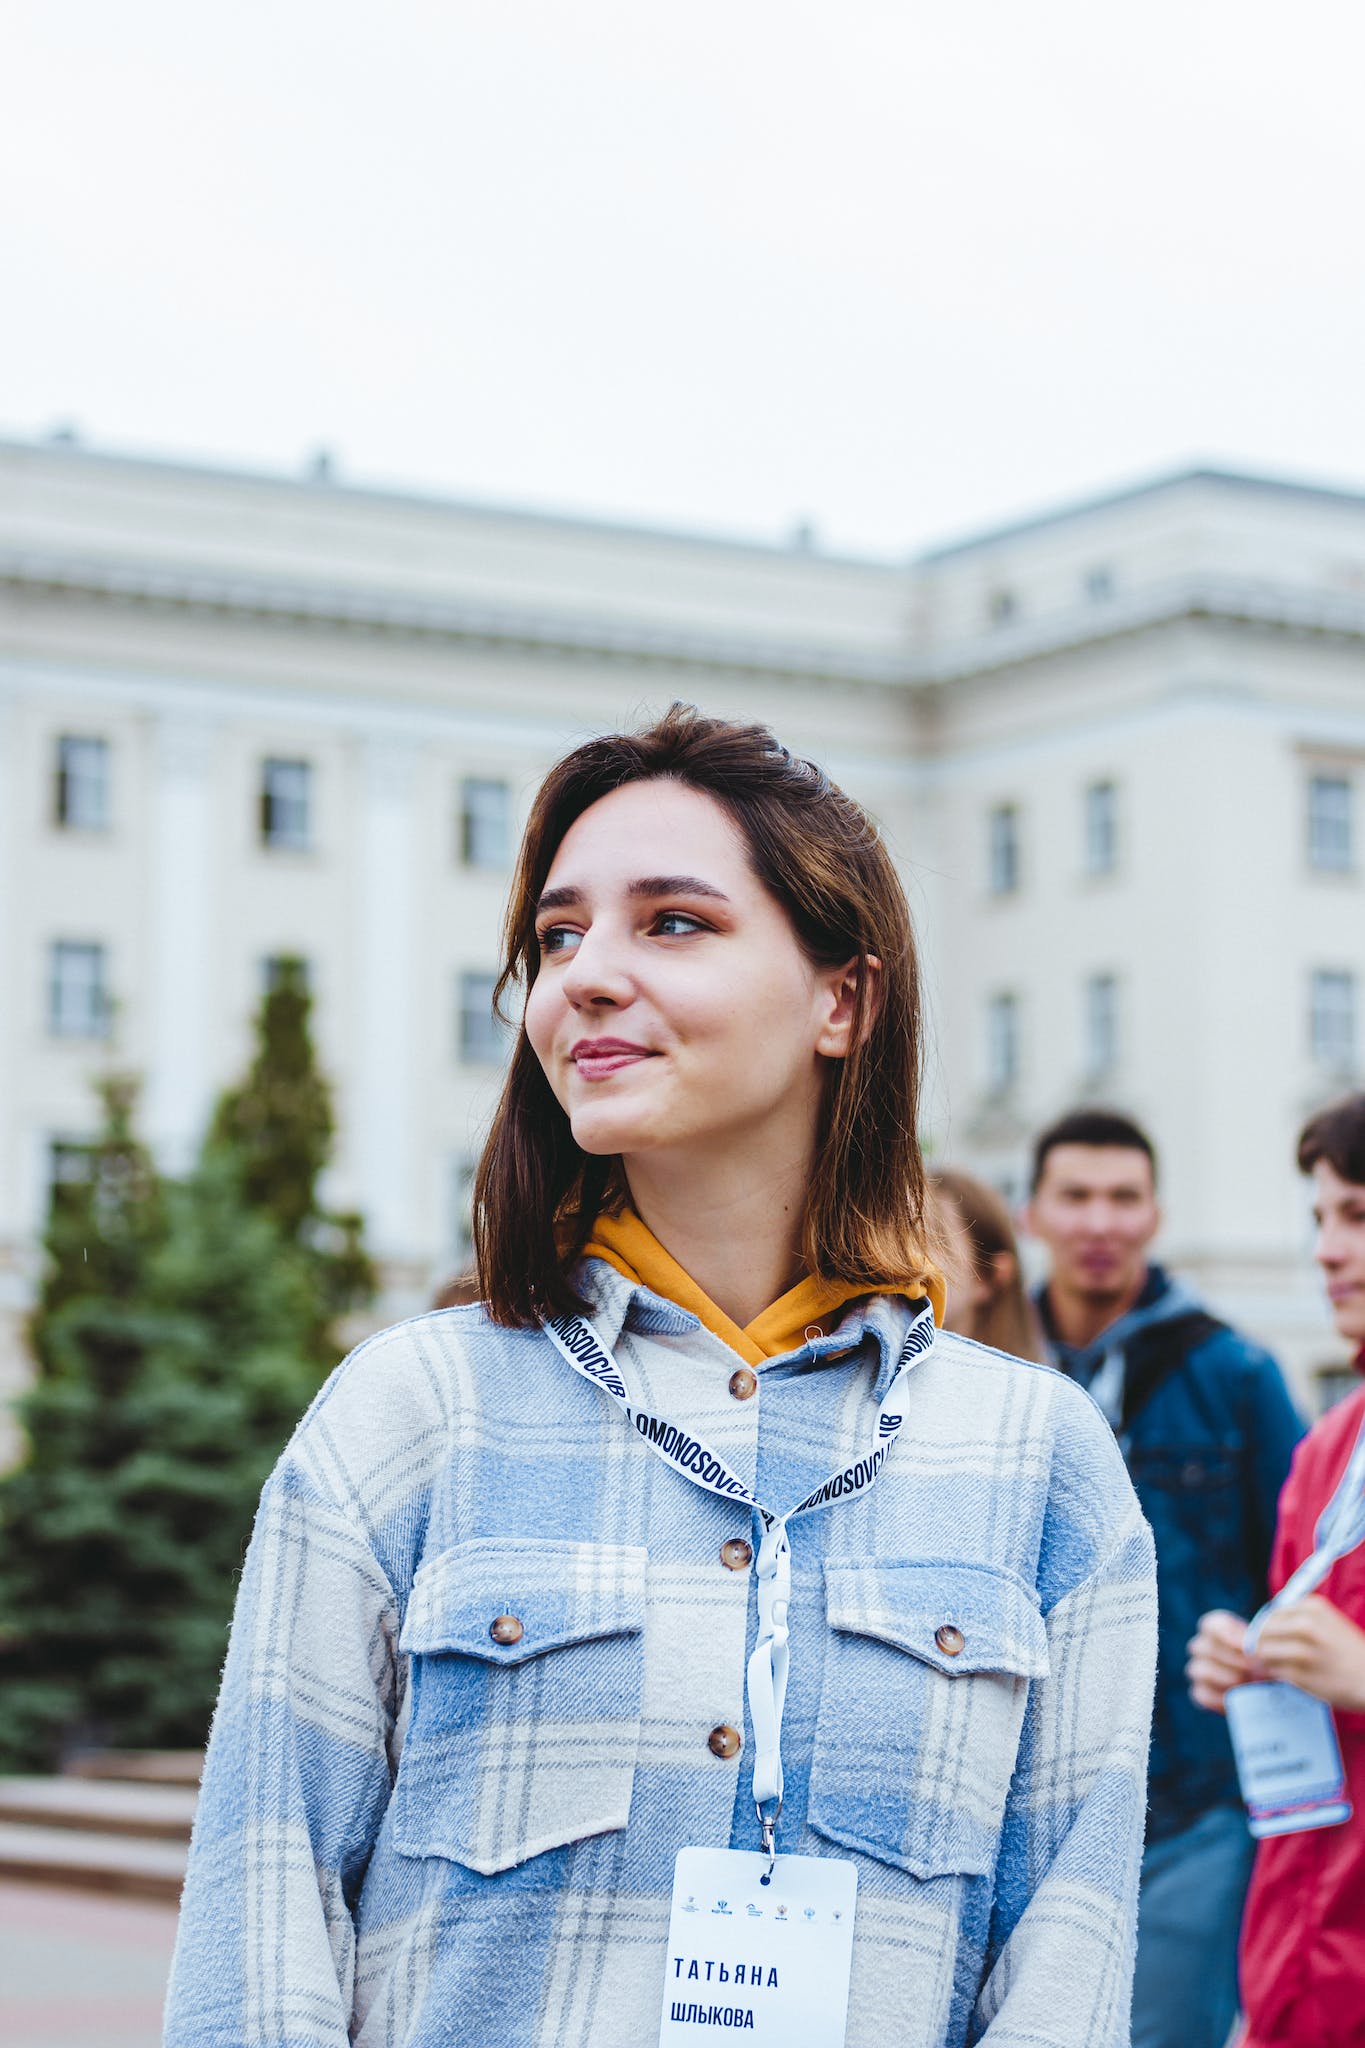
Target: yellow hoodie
x=632, y=1248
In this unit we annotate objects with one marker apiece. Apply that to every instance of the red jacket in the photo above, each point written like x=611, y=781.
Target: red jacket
x=1303, y=1935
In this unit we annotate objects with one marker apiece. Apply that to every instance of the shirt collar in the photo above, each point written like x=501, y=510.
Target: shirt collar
x=878, y=1320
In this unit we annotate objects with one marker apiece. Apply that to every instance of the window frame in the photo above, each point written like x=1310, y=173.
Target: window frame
x=1100, y=828
x=1102, y=1006
x=1342, y=1058
x=275, y=807
x=70, y=780
x=485, y=859
x=1323, y=857
x=1004, y=850
x=96, y=1011
x=1004, y=1034
x=480, y=1035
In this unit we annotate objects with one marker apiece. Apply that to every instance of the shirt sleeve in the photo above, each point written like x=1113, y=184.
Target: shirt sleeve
x=1060, y=1961
x=296, y=1781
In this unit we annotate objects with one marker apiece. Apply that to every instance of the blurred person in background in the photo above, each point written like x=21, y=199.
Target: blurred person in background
x=1207, y=1430
x=1303, y=1936
x=987, y=1299
x=488, y=1672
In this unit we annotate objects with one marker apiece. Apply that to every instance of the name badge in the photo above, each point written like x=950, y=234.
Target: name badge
x=1288, y=1759
x=769, y=1960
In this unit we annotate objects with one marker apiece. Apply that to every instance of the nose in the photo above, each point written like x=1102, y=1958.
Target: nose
x=597, y=974
x=1328, y=1245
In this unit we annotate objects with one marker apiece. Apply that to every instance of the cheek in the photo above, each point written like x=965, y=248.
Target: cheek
x=542, y=1011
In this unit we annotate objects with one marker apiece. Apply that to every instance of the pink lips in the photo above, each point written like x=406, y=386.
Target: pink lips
x=595, y=1058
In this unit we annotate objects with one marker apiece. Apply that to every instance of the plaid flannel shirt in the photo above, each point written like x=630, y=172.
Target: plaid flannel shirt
x=412, y=1834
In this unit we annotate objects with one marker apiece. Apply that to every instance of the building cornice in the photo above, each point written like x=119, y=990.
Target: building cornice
x=219, y=594
x=1206, y=597
x=1296, y=490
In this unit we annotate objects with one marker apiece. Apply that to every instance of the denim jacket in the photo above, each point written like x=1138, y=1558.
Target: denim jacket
x=416, y=1829
x=1207, y=1429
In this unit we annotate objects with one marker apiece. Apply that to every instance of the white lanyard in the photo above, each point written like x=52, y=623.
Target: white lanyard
x=575, y=1338
x=1340, y=1529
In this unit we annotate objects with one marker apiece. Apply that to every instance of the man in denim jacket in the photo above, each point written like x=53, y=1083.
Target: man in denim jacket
x=1207, y=1430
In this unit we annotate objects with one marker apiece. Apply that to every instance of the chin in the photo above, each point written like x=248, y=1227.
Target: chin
x=1351, y=1324
x=603, y=1135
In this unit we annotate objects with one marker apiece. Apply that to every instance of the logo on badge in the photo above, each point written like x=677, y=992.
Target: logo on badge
x=722, y=1906
x=754, y=1912
x=691, y=1906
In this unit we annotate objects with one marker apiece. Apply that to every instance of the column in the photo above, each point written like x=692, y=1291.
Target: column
x=384, y=1102
x=182, y=950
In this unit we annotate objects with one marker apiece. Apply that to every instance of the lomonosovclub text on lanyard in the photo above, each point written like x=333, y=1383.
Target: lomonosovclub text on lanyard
x=578, y=1342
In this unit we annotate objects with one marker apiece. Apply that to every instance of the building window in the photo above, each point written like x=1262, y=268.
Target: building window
x=1002, y=1043
x=78, y=1003
x=485, y=823
x=1332, y=1019
x=1099, y=583
x=82, y=783
x=68, y=1166
x=286, y=796
x=279, y=968
x=1101, y=1026
x=1329, y=822
x=462, y=1215
x=481, y=1033
x=1332, y=1383
x=1101, y=828
x=1002, y=850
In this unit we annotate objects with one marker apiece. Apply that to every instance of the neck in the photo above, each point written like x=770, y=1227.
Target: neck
x=1079, y=1318
x=734, y=1228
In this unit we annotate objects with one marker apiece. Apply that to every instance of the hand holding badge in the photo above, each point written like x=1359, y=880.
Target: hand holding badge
x=1284, y=1738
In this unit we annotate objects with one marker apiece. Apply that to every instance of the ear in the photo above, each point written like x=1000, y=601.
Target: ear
x=839, y=992
x=1003, y=1267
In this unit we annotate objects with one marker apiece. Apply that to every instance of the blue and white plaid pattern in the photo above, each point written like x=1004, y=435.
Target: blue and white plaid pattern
x=412, y=1834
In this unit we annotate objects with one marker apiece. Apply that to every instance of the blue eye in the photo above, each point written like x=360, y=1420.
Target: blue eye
x=558, y=938
x=672, y=924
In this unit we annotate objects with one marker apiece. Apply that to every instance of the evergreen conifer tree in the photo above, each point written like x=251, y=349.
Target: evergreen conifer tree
x=277, y=1125
x=181, y=1329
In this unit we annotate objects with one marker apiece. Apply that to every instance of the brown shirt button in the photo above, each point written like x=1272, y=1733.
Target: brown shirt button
x=743, y=1383
x=950, y=1640
x=736, y=1555
x=506, y=1629
x=725, y=1741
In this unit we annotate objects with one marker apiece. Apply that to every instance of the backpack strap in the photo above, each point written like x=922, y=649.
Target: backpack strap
x=1155, y=1354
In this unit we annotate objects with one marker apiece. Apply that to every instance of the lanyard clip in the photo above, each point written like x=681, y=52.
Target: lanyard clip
x=768, y=1829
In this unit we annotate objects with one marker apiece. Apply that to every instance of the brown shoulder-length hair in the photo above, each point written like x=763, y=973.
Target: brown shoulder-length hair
x=1006, y=1319
x=818, y=853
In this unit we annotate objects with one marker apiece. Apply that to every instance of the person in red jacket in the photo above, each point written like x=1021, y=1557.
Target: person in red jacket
x=1303, y=1932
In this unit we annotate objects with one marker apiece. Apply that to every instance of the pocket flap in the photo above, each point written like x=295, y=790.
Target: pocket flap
x=556, y=1593
x=958, y=1618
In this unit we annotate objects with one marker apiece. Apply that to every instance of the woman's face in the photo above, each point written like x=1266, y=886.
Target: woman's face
x=673, y=1010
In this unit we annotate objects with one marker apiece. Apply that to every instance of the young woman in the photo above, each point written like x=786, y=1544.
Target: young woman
x=987, y=1299
x=1303, y=1932
x=488, y=1672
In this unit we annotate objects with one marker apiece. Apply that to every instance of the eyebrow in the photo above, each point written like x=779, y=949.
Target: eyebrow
x=647, y=887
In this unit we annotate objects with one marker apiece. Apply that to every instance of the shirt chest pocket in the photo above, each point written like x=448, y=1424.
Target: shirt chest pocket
x=527, y=1666
x=927, y=1672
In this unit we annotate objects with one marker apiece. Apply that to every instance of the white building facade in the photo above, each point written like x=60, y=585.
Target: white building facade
x=1118, y=753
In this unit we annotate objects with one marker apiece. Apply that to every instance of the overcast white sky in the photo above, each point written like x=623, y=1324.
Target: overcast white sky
x=901, y=269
